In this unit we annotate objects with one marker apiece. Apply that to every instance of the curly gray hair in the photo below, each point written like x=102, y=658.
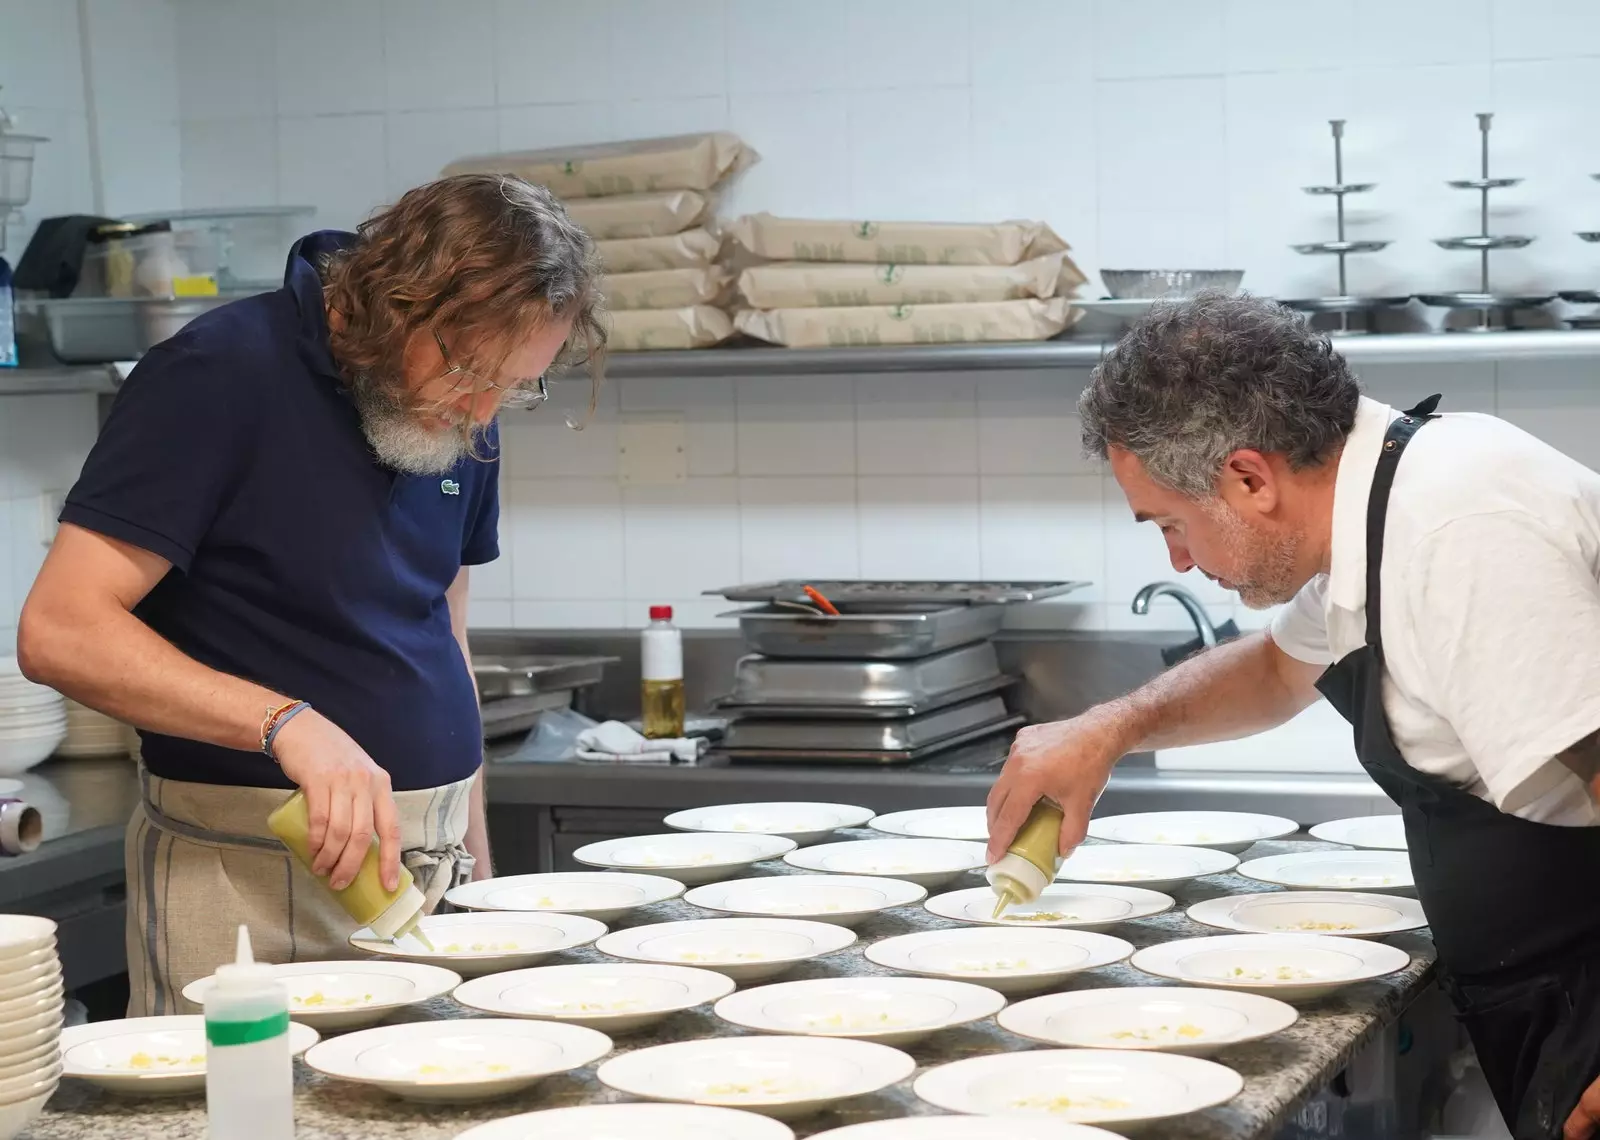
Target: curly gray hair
x=1194, y=381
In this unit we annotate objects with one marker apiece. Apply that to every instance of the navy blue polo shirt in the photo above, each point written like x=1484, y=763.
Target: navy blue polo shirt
x=298, y=560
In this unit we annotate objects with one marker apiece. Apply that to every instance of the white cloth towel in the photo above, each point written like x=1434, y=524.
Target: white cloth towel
x=614, y=740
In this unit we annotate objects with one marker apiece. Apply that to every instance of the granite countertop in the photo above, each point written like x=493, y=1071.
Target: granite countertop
x=1279, y=1072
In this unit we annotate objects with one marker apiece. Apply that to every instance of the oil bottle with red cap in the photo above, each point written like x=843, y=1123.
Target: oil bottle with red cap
x=661, y=666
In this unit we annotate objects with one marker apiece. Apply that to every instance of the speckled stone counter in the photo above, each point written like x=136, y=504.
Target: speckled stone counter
x=1279, y=1072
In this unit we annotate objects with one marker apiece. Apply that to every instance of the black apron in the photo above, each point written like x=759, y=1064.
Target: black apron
x=1514, y=905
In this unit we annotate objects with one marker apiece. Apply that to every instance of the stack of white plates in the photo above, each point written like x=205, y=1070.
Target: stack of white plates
x=31, y=1003
x=91, y=733
x=33, y=720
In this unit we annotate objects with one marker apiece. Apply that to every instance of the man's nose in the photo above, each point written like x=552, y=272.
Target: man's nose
x=1179, y=555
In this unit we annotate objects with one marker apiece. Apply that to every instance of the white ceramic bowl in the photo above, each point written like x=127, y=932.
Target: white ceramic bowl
x=783, y=1077
x=16, y=1116
x=1291, y=967
x=613, y=997
x=458, y=1060
x=891, y=1011
x=1230, y=831
x=29, y=1085
x=965, y=1128
x=476, y=944
x=826, y=898
x=1085, y=906
x=1335, y=871
x=1374, y=832
x=1349, y=914
x=1165, y=1019
x=1154, y=866
x=929, y=863
x=631, y=1121
x=800, y=821
x=21, y=963
x=690, y=857
x=350, y=995
x=601, y=895
x=16, y=1032
x=18, y=754
x=29, y=982
x=27, y=1041
x=149, y=1056
x=1008, y=959
x=39, y=1000
x=41, y=1056
x=745, y=949
x=967, y=823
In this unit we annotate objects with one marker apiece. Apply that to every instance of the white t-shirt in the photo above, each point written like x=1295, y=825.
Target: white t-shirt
x=1491, y=606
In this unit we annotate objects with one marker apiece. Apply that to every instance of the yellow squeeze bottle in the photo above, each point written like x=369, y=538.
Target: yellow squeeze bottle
x=1031, y=862
x=389, y=914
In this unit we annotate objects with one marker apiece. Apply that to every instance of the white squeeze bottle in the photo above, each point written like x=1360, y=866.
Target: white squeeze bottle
x=661, y=666
x=249, y=1073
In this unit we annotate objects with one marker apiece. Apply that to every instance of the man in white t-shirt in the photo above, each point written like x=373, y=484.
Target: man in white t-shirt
x=1441, y=575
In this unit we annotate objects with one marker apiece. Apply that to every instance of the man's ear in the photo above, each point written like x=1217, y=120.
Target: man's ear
x=1249, y=482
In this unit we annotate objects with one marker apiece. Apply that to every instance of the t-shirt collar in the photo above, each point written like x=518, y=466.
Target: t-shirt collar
x=304, y=284
x=1352, y=485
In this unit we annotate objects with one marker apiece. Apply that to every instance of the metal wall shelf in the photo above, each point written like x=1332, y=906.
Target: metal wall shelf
x=98, y=378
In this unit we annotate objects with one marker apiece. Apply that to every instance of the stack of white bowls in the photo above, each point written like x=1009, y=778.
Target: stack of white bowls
x=91, y=733
x=33, y=720
x=31, y=1005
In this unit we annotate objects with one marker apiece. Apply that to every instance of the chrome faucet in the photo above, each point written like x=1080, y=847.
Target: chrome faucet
x=1197, y=612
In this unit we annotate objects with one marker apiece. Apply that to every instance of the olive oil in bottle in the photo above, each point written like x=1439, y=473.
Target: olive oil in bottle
x=661, y=666
x=1031, y=862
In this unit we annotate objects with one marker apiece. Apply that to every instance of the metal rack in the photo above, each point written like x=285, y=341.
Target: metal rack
x=1591, y=235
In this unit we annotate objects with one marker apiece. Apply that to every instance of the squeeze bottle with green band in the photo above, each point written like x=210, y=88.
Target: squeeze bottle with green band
x=1031, y=862
x=249, y=1073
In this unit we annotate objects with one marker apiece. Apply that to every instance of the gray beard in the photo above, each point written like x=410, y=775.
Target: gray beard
x=400, y=442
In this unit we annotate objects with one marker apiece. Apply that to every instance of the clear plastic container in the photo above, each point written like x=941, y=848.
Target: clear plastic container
x=144, y=260
x=250, y=242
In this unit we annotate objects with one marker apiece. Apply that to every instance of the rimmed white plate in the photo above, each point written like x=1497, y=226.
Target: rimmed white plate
x=745, y=949
x=927, y=862
x=1230, y=831
x=1086, y=906
x=1293, y=967
x=827, y=898
x=458, y=1060
x=800, y=821
x=349, y=995
x=1373, y=832
x=965, y=1128
x=1335, y=871
x=1007, y=959
x=783, y=1077
x=691, y=857
x=1086, y=1086
x=1165, y=1019
x=485, y=943
x=631, y=1121
x=614, y=997
x=967, y=823
x=149, y=1056
x=1155, y=866
x=1349, y=914
x=24, y=933
x=891, y=1011
x=601, y=895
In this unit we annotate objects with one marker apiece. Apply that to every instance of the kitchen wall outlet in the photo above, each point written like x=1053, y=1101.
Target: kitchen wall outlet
x=651, y=449
x=51, y=504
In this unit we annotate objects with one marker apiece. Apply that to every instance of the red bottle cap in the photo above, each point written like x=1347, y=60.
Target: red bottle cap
x=660, y=613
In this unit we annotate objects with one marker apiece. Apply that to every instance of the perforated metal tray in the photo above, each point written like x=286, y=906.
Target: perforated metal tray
x=883, y=634
x=864, y=592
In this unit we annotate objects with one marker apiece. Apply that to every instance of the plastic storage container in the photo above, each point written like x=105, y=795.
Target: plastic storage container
x=250, y=242
x=133, y=260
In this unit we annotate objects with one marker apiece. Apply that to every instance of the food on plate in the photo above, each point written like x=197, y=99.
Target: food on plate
x=438, y=1072
x=1314, y=924
x=1069, y=1103
x=854, y=1021
x=622, y=1006
x=320, y=1000
x=1185, y=1031
x=993, y=965
x=722, y=956
x=1039, y=916
x=142, y=1060
x=762, y=1089
x=1278, y=974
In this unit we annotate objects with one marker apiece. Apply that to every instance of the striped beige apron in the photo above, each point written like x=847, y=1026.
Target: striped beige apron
x=201, y=862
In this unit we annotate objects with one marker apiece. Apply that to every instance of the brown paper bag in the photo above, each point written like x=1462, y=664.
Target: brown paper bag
x=648, y=330
x=910, y=324
x=640, y=215
x=897, y=243
x=688, y=250
x=664, y=288
x=799, y=285
x=641, y=166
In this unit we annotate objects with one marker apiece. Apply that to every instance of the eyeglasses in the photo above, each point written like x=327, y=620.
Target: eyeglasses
x=520, y=394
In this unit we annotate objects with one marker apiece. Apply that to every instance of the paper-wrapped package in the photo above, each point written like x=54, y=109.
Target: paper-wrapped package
x=641, y=166
x=894, y=243
x=810, y=285
x=910, y=324
x=647, y=330
x=640, y=215
x=688, y=250
x=665, y=288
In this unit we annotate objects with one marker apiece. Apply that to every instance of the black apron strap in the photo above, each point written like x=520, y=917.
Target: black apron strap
x=1394, y=445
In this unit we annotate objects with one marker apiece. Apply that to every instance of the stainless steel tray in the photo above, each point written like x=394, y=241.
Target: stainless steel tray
x=881, y=634
x=873, y=756
x=511, y=715
x=732, y=708
x=1482, y=242
x=1346, y=304
x=501, y=677
x=1347, y=246
x=866, y=735
x=1484, y=300
x=772, y=680
x=859, y=592
x=103, y=330
x=1483, y=183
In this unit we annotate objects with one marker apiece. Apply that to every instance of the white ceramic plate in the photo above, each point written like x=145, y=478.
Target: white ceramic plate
x=486, y=943
x=458, y=1060
x=827, y=898
x=689, y=857
x=1155, y=866
x=891, y=1011
x=349, y=995
x=745, y=949
x=1376, y=832
x=800, y=821
x=968, y=823
x=149, y=1056
x=614, y=997
x=1349, y=914
x=965, y=1128
x=1007, y=959
x=1165, y=1019
x=1293, y=967
x=927, y=862
x=601, y=895
x=1335, y=871
x=1229, y=831
x=1084, y=1086
x=631, y=1121
x=24, y=933
x=1086, y=906
x=783, y=1077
